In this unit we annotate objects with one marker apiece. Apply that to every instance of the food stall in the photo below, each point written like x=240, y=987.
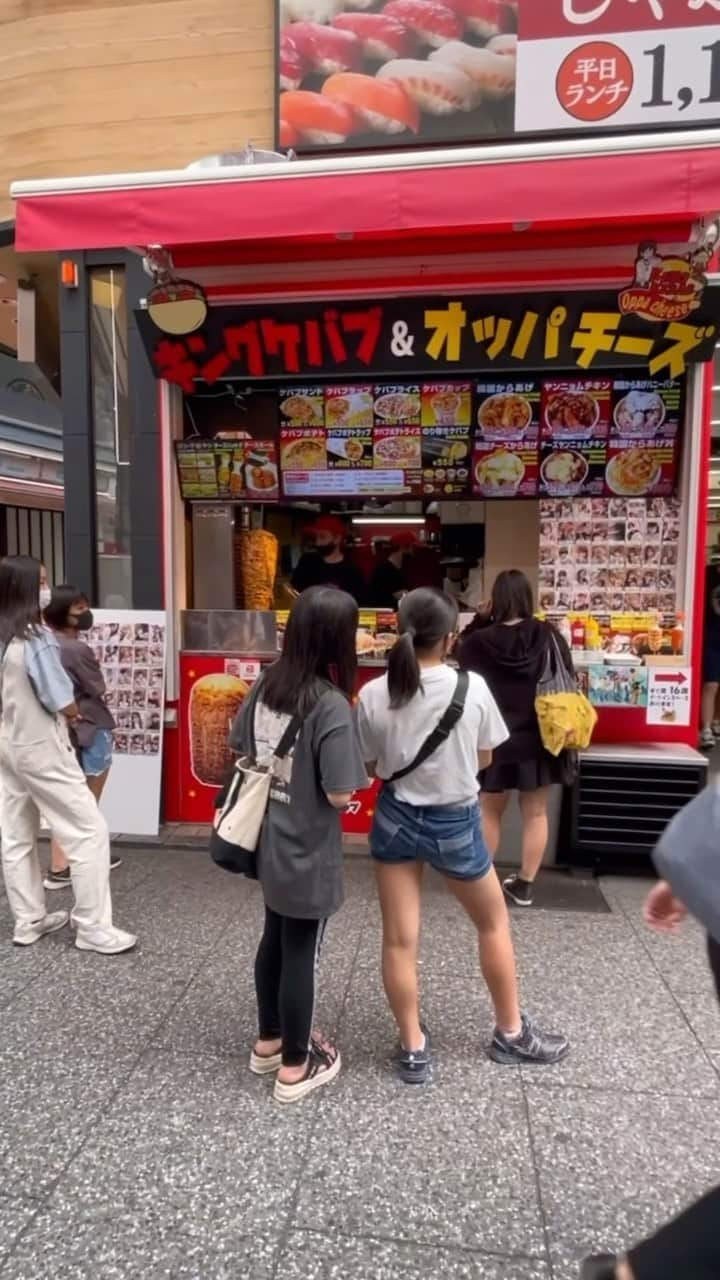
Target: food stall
x=438, y=365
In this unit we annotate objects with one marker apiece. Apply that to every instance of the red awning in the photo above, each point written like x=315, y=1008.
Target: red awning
x=443, y=193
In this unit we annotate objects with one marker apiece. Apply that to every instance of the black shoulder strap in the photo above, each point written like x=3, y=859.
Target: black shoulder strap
x=439, y=735
x=286, y=742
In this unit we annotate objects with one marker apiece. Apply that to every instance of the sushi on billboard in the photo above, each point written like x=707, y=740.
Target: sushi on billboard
x=364, y=73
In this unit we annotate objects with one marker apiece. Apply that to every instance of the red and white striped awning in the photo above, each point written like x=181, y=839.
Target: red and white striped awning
x=647, y=185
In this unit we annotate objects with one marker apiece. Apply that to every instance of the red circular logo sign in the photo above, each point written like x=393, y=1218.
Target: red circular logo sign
x=595, y=81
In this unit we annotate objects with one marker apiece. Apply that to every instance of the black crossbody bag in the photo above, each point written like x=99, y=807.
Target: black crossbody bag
x=440, y=734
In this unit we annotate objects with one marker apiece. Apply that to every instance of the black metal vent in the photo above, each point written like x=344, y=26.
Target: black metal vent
x=620, y=808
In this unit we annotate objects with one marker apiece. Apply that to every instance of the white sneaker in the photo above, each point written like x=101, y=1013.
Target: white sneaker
x=707, y=740
x=716, y=728
x=107, y=942
x=27, y=933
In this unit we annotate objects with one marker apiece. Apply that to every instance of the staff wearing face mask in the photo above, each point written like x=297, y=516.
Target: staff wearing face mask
x=67, y=613
x=327, y=565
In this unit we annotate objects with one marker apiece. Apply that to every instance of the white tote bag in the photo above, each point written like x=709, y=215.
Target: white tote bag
x=241, y=811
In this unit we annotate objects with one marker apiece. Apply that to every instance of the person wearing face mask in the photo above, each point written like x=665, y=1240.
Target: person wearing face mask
x=68, y=614
x=40, y=775
x=327, y=565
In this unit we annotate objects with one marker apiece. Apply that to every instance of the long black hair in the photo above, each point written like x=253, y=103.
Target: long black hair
x=62, y=600
x=512, y=597
x=19, y=598
x=319, y=649
x=425, y=617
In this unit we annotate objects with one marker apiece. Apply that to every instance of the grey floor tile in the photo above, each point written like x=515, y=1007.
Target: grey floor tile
x=444, y=1165
x=596, y=982
x=613, y=1168
x=15, y=1217
x=48, y=1105
x=20, y=966
x=98, y=1003
x=217, y=1014
x=314, y=1256
x=145, y=1247
x=200, y=1141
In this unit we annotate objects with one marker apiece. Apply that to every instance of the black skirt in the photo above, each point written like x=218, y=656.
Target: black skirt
x=542, y=770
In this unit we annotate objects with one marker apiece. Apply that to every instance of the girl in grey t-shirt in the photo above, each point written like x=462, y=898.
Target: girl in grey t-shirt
x=300, y=855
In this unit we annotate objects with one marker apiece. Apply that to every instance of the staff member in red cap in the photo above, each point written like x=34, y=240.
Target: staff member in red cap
x=327, y=565
x=390, y=581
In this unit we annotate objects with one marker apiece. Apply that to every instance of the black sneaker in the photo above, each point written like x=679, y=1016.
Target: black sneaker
x=518, y=890
x=532, y=1046
x=415, y=1067
x=600, y=1267
x=57, y=879
x=61, y=879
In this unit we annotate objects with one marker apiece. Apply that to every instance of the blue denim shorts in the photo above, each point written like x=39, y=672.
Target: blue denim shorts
x=448, y=837
x=97, y=758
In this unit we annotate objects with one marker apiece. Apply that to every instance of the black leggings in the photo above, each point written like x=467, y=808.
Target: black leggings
x=285, y=972
x=689, y=1245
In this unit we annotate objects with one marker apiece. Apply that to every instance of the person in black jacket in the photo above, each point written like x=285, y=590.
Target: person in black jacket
x=507, y=645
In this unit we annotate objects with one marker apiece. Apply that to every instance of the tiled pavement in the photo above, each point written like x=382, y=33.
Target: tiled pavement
x=133, y=1142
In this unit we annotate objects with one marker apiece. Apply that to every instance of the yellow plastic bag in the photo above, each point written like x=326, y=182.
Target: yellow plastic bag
x=566, y=721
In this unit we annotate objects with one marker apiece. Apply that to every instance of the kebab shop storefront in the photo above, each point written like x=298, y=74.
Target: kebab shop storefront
x=511, y=394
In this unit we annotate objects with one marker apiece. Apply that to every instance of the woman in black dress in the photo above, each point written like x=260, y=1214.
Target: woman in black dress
x=507, y=645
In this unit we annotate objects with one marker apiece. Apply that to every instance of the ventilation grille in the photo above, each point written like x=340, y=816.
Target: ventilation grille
x=623, y=808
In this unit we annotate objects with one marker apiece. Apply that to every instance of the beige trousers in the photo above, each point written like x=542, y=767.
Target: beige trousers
x=46, y=777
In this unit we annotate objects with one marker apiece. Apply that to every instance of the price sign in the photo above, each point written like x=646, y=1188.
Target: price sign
x=606, y=64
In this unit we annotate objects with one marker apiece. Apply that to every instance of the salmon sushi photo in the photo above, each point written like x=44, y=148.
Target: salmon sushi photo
x=325, y=50
x=288, y=135
x=381, y=37
x=491, y=73
x=316, y=118
x=432, y=22
x=379, y=106
x=439, y=89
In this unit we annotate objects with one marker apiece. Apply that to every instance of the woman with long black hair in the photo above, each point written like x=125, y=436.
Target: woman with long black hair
x=507, y=645
x=40, y=774
x=425, y=730
x=300, y=858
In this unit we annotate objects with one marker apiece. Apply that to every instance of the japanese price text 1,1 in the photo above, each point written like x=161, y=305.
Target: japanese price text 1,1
x=638, y=78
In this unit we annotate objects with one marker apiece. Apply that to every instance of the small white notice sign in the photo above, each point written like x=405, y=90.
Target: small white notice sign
x=669, y=691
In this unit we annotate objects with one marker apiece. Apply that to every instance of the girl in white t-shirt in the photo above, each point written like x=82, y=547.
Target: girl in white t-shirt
x=428, y=812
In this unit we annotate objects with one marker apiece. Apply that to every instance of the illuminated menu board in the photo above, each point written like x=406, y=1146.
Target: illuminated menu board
x=394, y=440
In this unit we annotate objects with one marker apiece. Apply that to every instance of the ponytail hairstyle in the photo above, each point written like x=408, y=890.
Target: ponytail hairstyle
x=425, y=617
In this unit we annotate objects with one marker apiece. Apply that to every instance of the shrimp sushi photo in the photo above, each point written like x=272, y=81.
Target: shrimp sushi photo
x=438, y=88
x=505, y=45
x=432, y=22
x=325, y=50
x=491, y=73
x=316, y=118
x=382, y=38
x=379, y=106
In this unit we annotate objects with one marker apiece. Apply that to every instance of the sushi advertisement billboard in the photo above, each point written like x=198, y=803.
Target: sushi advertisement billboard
x=359, y=74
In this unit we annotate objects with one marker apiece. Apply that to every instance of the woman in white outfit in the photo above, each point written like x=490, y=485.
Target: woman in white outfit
x=40, y=773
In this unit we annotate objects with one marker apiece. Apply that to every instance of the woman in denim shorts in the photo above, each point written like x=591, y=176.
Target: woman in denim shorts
x=431, y=815
x=68, y=614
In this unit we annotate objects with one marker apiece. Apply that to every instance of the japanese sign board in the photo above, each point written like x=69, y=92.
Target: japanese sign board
x=669, y=691
x=440, y=336
x=483, y=70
